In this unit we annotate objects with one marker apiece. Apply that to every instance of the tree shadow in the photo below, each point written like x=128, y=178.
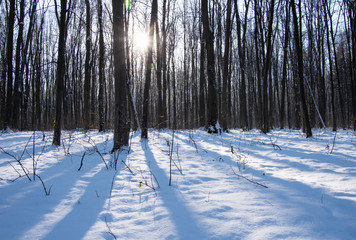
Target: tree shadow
x=181, y=217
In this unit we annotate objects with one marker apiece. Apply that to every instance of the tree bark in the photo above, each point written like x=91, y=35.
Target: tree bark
x=299, y=48
x=101, y=67
x=149, y=66
x=60, y=72
x=18, y=79
x=282, y=111
x=9, y=54
x=87, y=77
x=208, y=35
x=226, y=79
x=121, y=125
x=266, y=70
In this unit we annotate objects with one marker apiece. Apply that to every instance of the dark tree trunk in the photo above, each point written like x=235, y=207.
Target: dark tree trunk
x=226, y=79
x=241, y=45
x=18, y=79
x=266, y=70
x=60, y=72
x=299, y=48
x=333, y=110
x=352, y=7
x=121, y=126
x=149, y=67
x=87, y=77
x=9, y=54
x=202, y=82
x=282, y=111
x=164, y=66
x=208, y=35
x=101, y=66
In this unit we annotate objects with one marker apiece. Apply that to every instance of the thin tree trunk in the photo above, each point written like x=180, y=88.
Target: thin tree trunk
x=282, y=111
x=333, y=110
x=352, y=12
x=18, y=79
x=9, y=54
x=226, y=79
x=202, y=83
x=60, y=72
x=101, y=67
x=266, y=70
x=299, y=48
x=87, y=70
x=149, y=66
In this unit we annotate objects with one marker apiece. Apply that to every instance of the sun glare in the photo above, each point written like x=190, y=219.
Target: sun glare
x=140, y=40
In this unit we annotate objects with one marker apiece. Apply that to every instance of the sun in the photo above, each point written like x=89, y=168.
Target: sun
x=140, y=40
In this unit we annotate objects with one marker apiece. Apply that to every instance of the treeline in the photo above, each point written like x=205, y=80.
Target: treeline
x=245, y=64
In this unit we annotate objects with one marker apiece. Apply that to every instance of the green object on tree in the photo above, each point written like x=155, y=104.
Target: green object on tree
x=128, y=4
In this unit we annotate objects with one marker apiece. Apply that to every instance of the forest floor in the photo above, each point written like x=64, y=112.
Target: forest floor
x=237, y=185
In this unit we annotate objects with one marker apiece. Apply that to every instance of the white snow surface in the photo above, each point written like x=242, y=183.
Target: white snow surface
x=237, y=185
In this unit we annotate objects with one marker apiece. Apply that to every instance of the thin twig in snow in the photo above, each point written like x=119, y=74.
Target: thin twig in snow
x=251, y=181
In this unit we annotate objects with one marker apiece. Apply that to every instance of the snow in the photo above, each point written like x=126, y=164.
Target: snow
x=310, y=194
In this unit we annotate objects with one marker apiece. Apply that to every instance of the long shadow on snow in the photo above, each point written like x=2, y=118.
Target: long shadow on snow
x=314, y=201
x=335, y=159
x=54, y=176
x=185, y=224
x=86, y=211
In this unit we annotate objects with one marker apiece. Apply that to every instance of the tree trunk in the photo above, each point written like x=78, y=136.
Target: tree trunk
x=208, y=34
x=9, y=54
x=87, y=77
x=266, y=71
x=226, y=79
x=202, y=82
x=282, y=111
x=121, y=126
x=18, y=79
x=101, y=67
x=352, y=12
x=149, y=67
x=60, y=72
x=299, y=48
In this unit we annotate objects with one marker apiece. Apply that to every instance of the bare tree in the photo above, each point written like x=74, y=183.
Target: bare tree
x=208, y=38
x=87, y=77
x=149, y=66
x=9, y=54
x=62, y=22
x=299, y=48
x=101, y=66
x=121, y=125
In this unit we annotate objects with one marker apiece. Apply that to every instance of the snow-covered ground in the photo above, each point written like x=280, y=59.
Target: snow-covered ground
x=238, y=185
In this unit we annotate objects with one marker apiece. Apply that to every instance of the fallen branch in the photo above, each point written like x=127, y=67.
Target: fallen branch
x=251, y=181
